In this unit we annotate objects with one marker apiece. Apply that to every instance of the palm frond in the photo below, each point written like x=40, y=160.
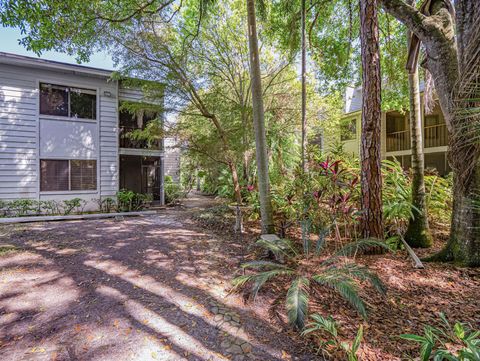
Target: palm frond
x=322, y=323
x=262, y=264
x=363, y=274
x=361, y=245
x=260, y=279
x=322, y=235
x=305, y=225
x=297, y=302
x=344, y=286
x=279, y=247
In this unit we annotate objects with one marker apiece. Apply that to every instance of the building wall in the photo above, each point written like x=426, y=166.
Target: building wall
x=26, y=136
x=172, y=159
x=435, y=157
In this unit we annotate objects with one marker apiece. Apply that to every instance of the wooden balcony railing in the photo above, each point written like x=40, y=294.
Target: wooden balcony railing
x=398, y=141
x=125, y=141
x=435, y=136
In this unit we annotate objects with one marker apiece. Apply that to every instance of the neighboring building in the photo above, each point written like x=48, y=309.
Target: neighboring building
x=62, y=135
x=396, y=141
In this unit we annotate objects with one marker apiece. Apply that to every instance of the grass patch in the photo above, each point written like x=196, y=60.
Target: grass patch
x=7, y=249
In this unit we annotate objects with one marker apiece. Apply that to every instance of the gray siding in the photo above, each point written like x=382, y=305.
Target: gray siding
x=21, y=130
x=172, y=159
x=18, y=134
x=109, y=172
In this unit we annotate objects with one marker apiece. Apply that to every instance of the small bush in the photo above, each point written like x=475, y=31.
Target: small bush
x=75, y=204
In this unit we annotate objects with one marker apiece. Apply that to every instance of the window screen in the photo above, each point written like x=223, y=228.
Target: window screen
x=83, y=174
x=68, y=175
x=53, y=100
x=68, y=101
x=83, y=103
x=54, y=175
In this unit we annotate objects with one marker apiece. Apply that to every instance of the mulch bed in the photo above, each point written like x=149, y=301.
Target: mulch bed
x=414, y=297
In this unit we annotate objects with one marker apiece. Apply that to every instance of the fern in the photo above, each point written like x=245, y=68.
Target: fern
x=297, y=302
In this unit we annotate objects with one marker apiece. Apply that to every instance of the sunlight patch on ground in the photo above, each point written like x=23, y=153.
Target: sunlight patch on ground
x=173, y=333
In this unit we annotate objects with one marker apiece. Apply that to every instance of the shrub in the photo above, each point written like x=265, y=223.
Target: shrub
x=128, y=201
x=335, y=272
x=50, y=207
x=23, y=207
x=75, y=204
x=173, y=191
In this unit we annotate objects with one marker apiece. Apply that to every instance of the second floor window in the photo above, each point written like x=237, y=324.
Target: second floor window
x=63, y=101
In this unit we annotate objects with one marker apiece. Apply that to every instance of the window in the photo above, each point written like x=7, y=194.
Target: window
x=83, y=175
x=70, y=102
x=54, y=175
x=68, y=175
x=348, y=129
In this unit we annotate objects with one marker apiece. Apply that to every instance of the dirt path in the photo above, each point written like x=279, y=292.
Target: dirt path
x=146, y=288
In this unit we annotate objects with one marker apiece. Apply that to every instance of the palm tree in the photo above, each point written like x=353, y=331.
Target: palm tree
x=304, y=88
x=418, y=233
x=336, y=272
x=266, y=211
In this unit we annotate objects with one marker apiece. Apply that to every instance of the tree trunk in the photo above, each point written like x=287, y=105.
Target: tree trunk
x=266, y=211
x=236, y=184
x=418, y=233
x=304, y=88
x=371, y=176
x=455, y=67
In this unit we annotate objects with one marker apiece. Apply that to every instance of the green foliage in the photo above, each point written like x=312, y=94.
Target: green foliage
x=397, y=198
x=334, y=272
x=23, y=207
x=76, y=204
x=454, y=343
x=439, y=197
x=173, y=191
x=322, y=326
x=128, y=201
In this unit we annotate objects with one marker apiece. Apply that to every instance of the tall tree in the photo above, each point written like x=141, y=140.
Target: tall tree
x=452, y=44
x=370, y=156
x=304, y=85
x=266, y=211
x=418, y=233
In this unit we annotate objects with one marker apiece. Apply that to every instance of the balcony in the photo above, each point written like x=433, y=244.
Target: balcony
x=398, y=141
x=435, y=136
x=125, y=141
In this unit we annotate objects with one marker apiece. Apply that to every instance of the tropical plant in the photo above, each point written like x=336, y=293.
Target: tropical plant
x=333, y=343
x=439, y=198
x=336, y=272
x=128, y=201
x=397, y=203
x=453, y=343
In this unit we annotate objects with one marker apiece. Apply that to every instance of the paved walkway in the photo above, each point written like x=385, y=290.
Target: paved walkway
x=146, y=288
